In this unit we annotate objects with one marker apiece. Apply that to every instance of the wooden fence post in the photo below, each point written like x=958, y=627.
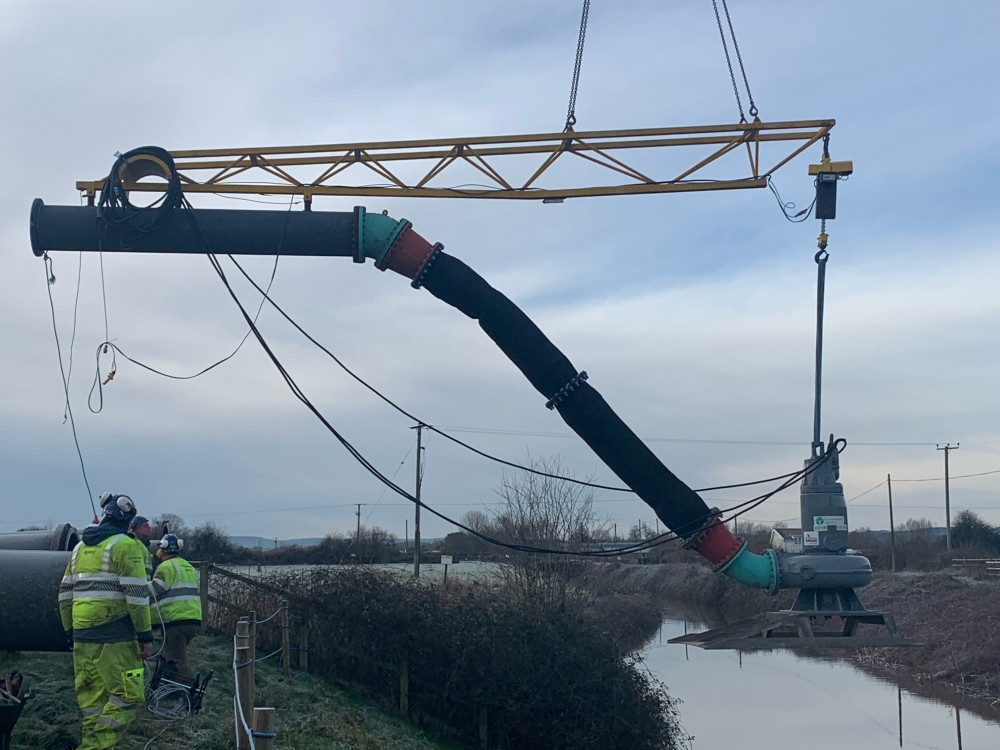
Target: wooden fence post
x=263, y=728
x=404, y=683
x=243, y=639
x=252, y=644
x=244, y=687
x=286, y=646
x=203, y=592
x=304, y=645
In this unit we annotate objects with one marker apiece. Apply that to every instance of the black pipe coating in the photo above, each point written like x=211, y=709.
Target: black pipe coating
x=584, y=409
x=29, y=600
x=60, y=539
x=205, y=230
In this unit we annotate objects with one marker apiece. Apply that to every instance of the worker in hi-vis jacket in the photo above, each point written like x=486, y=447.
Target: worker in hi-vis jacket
x=104, y=607
x=177, y=601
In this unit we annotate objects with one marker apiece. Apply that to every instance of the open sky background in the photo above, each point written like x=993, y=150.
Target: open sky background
x=692, y=313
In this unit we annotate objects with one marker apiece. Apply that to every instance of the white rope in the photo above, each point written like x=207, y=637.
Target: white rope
x=238, y=705
x=277, y=612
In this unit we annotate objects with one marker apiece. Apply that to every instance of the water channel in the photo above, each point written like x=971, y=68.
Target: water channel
x=765, y=700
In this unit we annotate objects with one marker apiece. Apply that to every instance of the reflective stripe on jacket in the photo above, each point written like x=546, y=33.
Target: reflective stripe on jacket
x=175, y=591
x=147, y=557
x=104, y=594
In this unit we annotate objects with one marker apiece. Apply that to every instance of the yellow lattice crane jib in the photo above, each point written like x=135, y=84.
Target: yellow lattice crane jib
x=507, y=167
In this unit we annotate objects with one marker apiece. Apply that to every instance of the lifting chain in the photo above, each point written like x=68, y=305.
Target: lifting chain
x=571, y=112
x=739, y=59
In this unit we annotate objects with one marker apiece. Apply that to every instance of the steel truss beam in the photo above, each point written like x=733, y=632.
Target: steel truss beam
x=269, y=171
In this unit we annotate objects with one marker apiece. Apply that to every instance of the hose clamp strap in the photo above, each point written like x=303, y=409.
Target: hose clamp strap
x=435, y=252
x=357, y=234
x=708, y=523
x=566, y=390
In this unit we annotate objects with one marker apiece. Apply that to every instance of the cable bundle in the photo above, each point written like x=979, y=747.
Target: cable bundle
x=114, y=205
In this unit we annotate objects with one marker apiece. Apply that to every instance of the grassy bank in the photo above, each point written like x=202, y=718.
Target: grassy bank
x=310, y=713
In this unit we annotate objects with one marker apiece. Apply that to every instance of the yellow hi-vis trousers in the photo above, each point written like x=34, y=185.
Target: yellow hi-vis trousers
x=109, y=686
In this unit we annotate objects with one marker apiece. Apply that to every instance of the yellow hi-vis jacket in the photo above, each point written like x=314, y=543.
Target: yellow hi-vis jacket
x=103, y=596
x=175, y=592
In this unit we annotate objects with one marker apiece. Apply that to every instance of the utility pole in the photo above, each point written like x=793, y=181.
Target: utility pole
x=357, y=536
x=416, y=511
x=948, y=448
x=892, y=526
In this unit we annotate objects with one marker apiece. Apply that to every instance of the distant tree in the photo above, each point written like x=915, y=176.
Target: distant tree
x=639, y=532
x=210, y=542
x=757, y=535
x=175, y=524
x=916, y=524
x=476, y=520
x=971, y=531
x=374, y=545
x=543, y=510
x=464, y=545
x=918, y=547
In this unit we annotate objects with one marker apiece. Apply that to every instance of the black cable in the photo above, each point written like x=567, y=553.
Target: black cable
x=103, y=347
x=49, y=281
x=114, y=206
x=745, y=506
x=299, y=394
x=788, y=206
x=72, y=340
x=448, y=436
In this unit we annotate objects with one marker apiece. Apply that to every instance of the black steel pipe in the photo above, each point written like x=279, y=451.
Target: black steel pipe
x=29, y=600
x=60, y=539
x=76, y=228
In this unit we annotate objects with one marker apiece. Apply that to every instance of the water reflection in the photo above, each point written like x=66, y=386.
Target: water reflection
x=764, y=700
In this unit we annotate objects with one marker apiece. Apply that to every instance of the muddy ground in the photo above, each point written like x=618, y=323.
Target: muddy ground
x=956, y=621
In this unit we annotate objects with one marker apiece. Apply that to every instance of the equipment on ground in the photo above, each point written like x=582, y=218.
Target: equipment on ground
x=13, y=696
x=169, y=696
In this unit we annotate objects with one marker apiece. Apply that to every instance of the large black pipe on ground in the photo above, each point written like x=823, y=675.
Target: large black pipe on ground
x=60, y=539
x=29, y=600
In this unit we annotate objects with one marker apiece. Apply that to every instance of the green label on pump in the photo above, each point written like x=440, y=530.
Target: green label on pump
x=829, y=523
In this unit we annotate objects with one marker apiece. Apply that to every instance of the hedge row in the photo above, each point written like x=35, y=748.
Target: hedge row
x=548, y=676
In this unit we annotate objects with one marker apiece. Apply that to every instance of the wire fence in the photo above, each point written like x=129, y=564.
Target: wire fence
x=453, y=658
x=254, y=726
x=392, y=674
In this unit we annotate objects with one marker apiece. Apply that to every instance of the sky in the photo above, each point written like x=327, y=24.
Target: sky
x=692, y=313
